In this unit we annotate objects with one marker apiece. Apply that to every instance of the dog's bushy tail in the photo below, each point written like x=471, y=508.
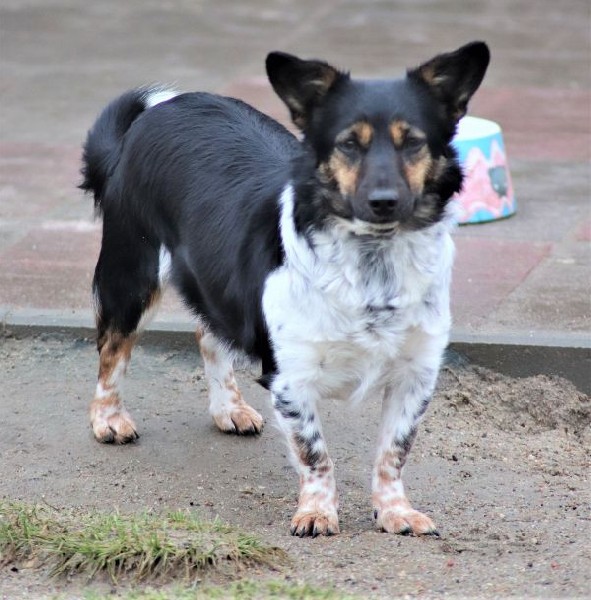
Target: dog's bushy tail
x=102, y=149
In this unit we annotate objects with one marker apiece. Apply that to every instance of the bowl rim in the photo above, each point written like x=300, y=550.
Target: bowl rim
x=475, y=128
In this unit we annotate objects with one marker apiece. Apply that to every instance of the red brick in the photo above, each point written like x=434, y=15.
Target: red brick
x=486, y=272
x=540, y=124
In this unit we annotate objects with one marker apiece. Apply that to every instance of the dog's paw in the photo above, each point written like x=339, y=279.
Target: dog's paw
x=115, y=428
x=407, y=521
x=241, y=419
x=314, y=523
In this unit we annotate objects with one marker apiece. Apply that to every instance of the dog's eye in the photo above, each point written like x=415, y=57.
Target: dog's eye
x=348, y=145
x=413, y=143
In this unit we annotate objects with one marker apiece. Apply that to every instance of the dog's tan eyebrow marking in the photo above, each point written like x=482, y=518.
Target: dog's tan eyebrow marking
x=400, y=130
x=362, y=130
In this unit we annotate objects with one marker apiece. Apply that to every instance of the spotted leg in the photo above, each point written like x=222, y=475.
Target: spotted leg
x=111, y=423
x=230, y=412
x=406, y=399
x=296, y=412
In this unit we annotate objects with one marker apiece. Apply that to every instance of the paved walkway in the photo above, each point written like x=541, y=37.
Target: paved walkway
x=525, y=279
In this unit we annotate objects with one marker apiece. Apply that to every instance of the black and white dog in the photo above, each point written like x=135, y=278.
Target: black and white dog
x=328, y=260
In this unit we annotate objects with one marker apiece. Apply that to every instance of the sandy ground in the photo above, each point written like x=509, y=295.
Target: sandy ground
x=502, y=466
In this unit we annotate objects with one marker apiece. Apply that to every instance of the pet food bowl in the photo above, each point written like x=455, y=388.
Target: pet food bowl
x=487, y=192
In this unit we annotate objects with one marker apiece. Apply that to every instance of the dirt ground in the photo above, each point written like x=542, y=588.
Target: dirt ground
x=500, y=464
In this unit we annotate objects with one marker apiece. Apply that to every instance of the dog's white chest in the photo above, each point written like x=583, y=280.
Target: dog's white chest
x=349, y=298
x=340, y=309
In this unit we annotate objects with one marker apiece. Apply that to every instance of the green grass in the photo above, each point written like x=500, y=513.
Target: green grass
x=241, y=590
x=271, y=590
x=176, y=545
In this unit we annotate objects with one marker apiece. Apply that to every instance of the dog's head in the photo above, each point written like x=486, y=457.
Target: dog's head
x=382, y=148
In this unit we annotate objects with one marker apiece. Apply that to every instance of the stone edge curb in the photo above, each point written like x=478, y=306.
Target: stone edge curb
x=517, y=354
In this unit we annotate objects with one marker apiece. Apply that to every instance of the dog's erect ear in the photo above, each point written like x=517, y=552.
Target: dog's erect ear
x=301, y=84
x=453, y=77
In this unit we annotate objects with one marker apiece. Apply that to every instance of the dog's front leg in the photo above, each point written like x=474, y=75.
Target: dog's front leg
x=406, y=399
x=297, y=415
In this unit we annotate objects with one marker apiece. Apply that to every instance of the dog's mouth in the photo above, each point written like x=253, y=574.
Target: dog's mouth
x=359, y=227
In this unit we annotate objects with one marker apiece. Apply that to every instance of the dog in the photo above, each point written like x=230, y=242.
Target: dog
x=326, y=258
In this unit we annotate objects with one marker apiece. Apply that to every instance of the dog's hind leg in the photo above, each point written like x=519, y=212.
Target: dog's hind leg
x=110, y=422
x=126, y=288
x=230, y=412
x=405, y=401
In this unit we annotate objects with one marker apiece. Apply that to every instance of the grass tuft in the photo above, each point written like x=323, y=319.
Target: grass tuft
x=246, y=589
x=141, y=546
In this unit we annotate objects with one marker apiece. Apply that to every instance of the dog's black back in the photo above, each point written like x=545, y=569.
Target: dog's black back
x=225, y=164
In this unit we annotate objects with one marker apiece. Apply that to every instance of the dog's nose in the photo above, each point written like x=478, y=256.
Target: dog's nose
x=383, y=201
